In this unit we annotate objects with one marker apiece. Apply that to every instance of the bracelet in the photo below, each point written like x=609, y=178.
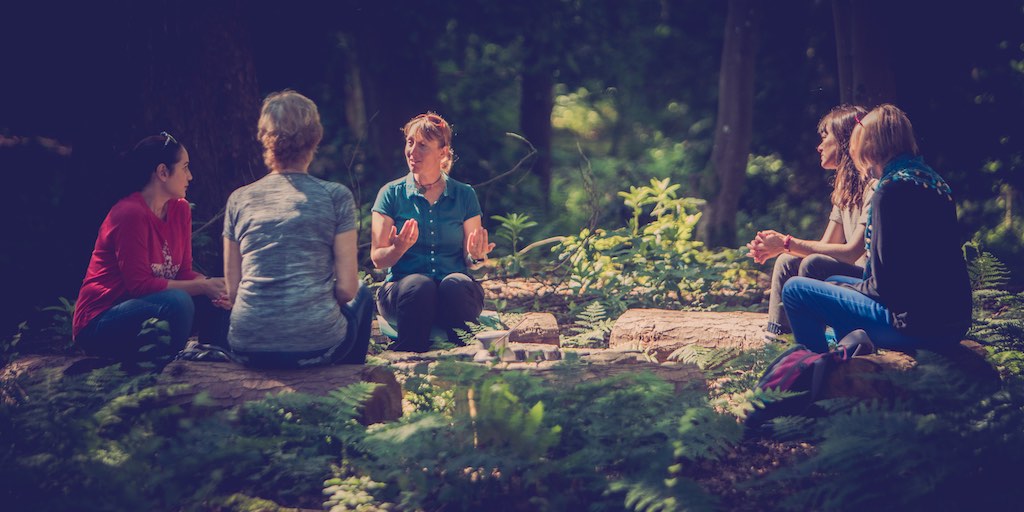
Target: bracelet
x=785, y=243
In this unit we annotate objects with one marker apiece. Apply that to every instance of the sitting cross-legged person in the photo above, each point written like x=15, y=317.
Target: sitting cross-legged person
x=904, y=300
x=440, y=237
x=290, y=253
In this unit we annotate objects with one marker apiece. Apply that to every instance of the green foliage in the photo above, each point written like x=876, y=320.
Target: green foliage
x=985, y=270
x=528, y=445
x=53, y=337
x=591, y=328
x=511, y=229
x=105, y=440
x=653, y=261
x=998, y=314
x=948, y=446
x=355, y=494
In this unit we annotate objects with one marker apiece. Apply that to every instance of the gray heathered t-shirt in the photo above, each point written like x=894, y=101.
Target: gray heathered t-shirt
x=285, y=225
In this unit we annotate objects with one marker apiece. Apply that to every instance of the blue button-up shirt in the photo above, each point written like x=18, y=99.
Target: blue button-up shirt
x=439, y=250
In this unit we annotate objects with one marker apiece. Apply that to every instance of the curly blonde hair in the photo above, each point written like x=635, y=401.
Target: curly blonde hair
x=289, y=129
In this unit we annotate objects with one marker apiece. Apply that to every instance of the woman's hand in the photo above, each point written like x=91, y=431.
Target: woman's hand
x=407, y=237
x=217, y=291
x=477, y=245
x=773, y=241
x=765, y=246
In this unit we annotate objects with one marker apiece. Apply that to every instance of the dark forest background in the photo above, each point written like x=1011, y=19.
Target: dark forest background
x=609, y=94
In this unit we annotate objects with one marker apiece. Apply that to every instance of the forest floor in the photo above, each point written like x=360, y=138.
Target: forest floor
x=723, y=478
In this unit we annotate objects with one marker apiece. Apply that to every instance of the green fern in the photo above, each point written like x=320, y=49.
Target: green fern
x=985, y=270
x=591, y=328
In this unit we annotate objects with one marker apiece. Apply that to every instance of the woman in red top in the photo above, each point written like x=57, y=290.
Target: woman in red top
x=141, y=266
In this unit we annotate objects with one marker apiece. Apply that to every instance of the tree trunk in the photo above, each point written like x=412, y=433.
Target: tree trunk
x=734, y=124
x=198, y=82
x=228, y=384
x=535, y=107
x=397, y=82
x=864, y=49
x=666, y=331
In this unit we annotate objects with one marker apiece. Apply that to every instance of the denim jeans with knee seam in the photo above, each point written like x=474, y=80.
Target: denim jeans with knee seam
x=815, y=266
x=812, y=305
x=115, y=333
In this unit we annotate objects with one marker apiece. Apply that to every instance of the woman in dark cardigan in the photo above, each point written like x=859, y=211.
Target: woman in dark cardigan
x=915, y=292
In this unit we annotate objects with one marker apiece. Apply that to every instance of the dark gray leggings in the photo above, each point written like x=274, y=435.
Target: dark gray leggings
x=416, y=303
x=815, y=266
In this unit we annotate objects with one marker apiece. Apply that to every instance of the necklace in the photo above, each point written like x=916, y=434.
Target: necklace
x=423, y=188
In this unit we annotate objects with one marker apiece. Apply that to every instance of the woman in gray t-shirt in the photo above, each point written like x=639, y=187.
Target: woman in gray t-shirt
x=290, y=253
x=841, y=248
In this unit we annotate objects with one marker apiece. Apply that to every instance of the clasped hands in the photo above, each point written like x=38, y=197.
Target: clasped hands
x=477, y=244
x=216, y=290
x=766, y=245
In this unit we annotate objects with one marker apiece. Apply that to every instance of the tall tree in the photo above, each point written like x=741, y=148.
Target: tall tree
x=536, y=103
x=733, y=126
x=193, y=66
x=863, y=52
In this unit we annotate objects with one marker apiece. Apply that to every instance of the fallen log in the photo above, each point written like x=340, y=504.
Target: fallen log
x=229, y=384
x=869, y=377
x=591, y=364
x=661, y=332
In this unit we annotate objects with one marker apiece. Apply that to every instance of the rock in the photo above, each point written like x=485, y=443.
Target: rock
x=662, y=332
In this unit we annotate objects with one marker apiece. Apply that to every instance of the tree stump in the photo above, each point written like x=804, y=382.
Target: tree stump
x=229, y=384
x=662, y=332
x=535, y=328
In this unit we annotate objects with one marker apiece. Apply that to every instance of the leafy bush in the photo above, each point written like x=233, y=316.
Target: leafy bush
x=651, y=262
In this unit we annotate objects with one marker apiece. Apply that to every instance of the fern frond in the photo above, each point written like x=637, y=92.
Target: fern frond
x=987, y=272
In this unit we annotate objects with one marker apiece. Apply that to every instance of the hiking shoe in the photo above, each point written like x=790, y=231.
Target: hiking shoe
x=206, y=353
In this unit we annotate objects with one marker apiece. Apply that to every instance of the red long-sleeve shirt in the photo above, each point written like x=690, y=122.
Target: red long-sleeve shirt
x=136, y=253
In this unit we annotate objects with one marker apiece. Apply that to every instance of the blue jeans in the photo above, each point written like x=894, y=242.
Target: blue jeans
x=358, y=313
x=115, y=332
x=812, y=305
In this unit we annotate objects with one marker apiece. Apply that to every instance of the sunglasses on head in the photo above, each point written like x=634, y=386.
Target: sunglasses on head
x=169, y=138
x=432, y=118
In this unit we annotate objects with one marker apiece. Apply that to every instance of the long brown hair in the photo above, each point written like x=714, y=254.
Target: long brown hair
x=848, y=188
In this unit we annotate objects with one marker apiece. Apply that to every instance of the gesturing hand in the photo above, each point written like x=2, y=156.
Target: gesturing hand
x=407, y=237
x=477, y=245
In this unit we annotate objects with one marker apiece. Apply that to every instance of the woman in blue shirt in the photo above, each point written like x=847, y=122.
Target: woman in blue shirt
x=427, y=231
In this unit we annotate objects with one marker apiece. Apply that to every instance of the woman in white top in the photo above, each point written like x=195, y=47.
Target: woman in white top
x=841, y=248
